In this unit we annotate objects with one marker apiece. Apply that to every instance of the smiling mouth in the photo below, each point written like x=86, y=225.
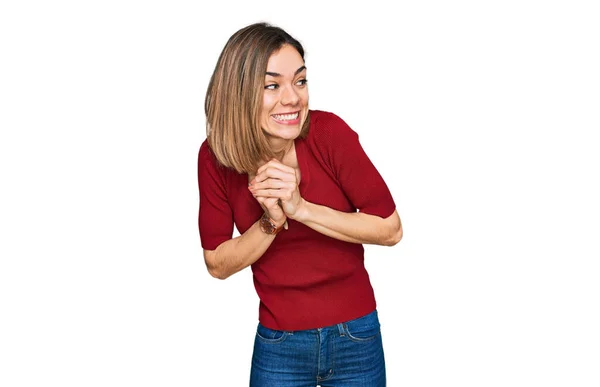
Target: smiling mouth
x=286, y=117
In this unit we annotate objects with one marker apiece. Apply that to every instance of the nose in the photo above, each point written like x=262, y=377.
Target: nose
x=289, y=96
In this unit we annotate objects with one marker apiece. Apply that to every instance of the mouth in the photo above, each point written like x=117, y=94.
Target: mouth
x=287, y=118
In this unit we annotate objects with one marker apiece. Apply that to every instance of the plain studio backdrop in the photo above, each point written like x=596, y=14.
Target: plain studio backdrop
x=481, y=116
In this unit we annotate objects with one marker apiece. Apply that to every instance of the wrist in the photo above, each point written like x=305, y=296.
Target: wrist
x=302, y=213
x=270, y=226
x=280, y=222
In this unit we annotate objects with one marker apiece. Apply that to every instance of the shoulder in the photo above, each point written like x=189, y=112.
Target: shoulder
x=330, y=138
x=206, y=158
x=205, y=152
x=327, y=121
x=208, y=163
x=328, y=127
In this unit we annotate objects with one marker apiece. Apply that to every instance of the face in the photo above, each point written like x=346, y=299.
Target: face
x=285, y=100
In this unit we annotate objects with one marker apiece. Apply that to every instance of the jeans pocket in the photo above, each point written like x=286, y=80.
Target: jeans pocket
x=363, y=329
x=270, y=336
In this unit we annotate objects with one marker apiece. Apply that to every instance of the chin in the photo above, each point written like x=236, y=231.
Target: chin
x=288, y=134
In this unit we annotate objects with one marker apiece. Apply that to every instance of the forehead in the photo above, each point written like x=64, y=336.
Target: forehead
x=285, y=60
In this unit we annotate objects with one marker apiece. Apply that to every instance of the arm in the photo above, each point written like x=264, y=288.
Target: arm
x=223, y=254
x=238, y=253
x=353, y=227
x=276, y=180
x=338, y=147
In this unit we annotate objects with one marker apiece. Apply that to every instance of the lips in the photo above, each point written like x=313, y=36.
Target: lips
x=287, y=118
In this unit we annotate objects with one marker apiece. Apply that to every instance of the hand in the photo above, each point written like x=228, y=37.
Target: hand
x=273, y=210
x=270, y=206
x=275, y=180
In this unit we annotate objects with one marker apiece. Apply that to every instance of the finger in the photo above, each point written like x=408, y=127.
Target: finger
x=272, y=184
x=274, y=163
x=272, y=208
x=274, y=173
x=271, y=202
x=268, y=204
x=271, y=193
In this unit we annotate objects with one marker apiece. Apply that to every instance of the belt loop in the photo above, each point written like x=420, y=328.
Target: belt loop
x=341, y=329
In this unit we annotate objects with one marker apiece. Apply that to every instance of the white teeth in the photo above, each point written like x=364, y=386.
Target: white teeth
x=285, y=117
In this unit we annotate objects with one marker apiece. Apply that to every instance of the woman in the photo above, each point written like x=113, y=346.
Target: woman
x=305, y=197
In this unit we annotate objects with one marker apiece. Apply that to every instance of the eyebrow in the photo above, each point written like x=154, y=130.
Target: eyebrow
x=278, y=75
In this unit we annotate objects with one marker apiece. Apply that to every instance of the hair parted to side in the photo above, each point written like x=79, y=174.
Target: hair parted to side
x=235, y=93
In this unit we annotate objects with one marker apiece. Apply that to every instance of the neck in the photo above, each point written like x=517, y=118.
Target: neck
x=280, y=147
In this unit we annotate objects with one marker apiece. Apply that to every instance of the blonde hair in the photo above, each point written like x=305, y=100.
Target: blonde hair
x=234, y=97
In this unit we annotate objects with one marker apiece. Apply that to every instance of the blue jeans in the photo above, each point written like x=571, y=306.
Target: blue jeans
x=348, y=354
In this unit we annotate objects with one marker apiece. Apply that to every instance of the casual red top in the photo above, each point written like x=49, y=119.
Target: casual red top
x=305, y=279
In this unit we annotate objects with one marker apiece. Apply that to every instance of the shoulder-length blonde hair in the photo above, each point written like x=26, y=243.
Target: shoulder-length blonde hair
x=235, y=93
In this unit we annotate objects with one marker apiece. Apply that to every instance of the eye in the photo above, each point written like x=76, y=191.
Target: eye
x=302, y=82
x=272, y=86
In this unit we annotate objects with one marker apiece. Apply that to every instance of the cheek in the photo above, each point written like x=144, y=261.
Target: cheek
x=267, y=107
x=304, y=96
x=269, y=101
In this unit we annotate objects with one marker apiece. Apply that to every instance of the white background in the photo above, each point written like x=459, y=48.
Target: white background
x=479, y=115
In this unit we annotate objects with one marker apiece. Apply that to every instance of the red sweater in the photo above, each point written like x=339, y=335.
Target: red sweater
x=305, y=279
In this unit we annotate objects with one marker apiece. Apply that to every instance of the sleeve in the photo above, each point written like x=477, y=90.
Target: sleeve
x=215, y=217
x=360, y=180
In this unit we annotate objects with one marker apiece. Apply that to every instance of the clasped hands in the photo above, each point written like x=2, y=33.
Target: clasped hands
x=275, y=187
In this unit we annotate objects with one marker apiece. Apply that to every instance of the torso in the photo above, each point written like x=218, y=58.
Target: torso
x=304, y=279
